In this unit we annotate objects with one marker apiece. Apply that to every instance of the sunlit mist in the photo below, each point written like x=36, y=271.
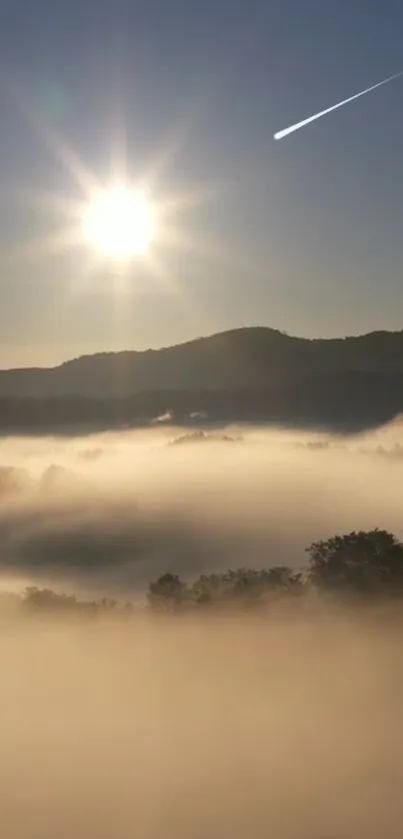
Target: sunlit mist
x=285, y=723
x=171, y=730
x=108, y=512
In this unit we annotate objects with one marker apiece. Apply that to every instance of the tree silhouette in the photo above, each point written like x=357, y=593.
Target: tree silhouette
x=368, y=564
x=167, y=594
x=47, y=599
x=245, y=586
x=363, y=562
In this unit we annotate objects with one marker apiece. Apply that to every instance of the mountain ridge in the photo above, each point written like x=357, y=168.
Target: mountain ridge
x=280, y=334
x=251, y=373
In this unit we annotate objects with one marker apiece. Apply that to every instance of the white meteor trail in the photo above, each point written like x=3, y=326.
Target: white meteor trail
x=285, y=131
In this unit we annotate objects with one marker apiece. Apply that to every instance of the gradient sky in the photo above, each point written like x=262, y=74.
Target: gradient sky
x=304, y=235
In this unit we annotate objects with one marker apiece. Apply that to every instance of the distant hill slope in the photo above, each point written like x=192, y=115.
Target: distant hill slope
x=250, y=358
x=254, y=374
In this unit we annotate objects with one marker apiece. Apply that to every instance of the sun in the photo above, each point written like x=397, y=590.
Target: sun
x=119, y=222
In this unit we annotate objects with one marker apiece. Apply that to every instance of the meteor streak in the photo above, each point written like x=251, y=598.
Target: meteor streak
x=285, y=131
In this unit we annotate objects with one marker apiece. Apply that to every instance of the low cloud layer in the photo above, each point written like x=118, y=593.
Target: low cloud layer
x=188, y=731
x=113, y=511
x=285, y=724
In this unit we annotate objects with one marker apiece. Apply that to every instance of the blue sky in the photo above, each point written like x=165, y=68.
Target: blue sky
x=303, y=234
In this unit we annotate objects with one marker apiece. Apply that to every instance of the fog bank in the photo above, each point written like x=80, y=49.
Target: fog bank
x=111, y=512
x=187, y=730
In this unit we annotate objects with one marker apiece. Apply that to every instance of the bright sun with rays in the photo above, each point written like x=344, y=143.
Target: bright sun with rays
x=119, y=222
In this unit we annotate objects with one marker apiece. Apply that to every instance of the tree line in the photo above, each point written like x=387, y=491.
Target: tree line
x=362, y=564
